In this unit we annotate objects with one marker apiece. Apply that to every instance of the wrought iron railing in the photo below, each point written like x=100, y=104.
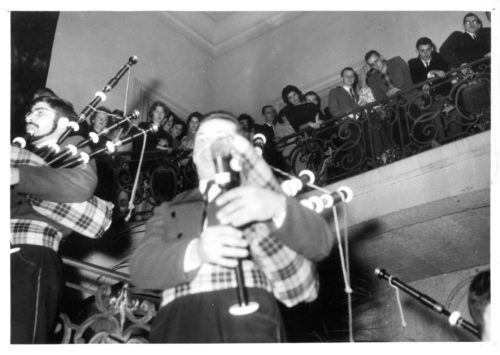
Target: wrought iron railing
x=391, y=129
x=371, y=136
x=118, y=312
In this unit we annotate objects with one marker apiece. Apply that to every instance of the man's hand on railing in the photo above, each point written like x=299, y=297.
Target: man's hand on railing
x=433, y=73
x=392, y=91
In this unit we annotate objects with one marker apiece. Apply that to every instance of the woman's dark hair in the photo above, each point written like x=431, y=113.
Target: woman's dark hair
x=248, y=118
x=192, y=115
x=282, y=113
x=183, y=124
x=155, y=105
x=287, y=90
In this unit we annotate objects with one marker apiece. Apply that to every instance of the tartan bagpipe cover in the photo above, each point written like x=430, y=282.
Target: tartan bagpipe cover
x=90, y=218
x=294, y=277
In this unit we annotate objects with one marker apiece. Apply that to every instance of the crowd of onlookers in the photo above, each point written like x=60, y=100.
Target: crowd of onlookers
x=378, y=79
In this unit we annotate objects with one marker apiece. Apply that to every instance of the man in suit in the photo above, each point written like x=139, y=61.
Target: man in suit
x=343, y=99
x=192, y=259
x=387, y=77
x=269, y=152
x=465, y=47
x=427, y=65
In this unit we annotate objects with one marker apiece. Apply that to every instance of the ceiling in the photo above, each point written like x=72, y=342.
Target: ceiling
x=220, y=31
x=218, y=15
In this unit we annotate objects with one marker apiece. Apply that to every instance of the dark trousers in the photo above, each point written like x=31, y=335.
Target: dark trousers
x=204, y=318
x=35, y=293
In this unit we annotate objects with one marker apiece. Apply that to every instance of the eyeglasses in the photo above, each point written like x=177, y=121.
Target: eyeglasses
x=472, y=21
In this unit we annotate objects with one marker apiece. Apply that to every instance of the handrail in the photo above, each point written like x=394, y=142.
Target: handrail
x=115, y=275
x=336, y=120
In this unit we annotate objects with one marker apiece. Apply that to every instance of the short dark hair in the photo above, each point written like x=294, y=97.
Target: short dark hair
x=97, y=110
x=314, y=94
x=44, y=92
x=479, y=297
x=248, y=118
x=282, y=114
x=472, y=14
x=423, y=41
x=370, y=53
x=266, y=106
x=178, y=121
x=155, y=105
x=62, y=107
x=346, y=69
x=193, y=115
x=287, y=90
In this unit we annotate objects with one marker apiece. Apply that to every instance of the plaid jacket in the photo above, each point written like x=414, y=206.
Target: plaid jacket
x=273, y=266
x=90, y=218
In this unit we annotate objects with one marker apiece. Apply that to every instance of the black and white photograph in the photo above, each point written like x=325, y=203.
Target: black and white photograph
x=228, y=173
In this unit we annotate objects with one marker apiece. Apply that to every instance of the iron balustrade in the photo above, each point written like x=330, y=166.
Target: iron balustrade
x=119, y=313
x=427, y=115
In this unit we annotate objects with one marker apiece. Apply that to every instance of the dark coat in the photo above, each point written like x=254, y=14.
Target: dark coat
x=419, y=72
x=460, y=48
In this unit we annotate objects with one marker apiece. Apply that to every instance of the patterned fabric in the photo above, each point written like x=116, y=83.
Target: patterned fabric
x=293, y=277
x=90, y=218
x=24, y=231
x=290, y=276
x=365, y=96
x=387, y=81
x=211, y=277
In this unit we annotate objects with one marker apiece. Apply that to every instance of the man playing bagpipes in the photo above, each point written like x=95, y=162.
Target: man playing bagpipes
x=47, y=204
x=193, y=258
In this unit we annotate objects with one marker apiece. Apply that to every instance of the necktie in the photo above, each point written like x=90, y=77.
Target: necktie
x=426, y=64
x=353, y=95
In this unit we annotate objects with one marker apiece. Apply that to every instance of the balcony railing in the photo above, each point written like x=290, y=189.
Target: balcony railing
x=118, y=313
x=371, y=136
x=391, y=129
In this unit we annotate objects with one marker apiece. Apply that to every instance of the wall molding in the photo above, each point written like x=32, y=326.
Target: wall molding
x=146, y=95
x=205, y=32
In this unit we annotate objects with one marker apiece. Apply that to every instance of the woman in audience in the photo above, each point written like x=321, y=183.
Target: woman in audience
x=193, y=121
x=178, y=131
x=166, y=141
x=158, y=114
x=299, y=113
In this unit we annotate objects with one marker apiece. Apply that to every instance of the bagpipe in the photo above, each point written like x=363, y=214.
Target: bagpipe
x=454, y=318
x=238, y=162
x=90, y=218
x=72, y=155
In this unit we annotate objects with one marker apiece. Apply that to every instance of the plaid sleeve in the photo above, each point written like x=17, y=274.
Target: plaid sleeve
x=294, y=277
x=20, y=156
x=90, y=218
